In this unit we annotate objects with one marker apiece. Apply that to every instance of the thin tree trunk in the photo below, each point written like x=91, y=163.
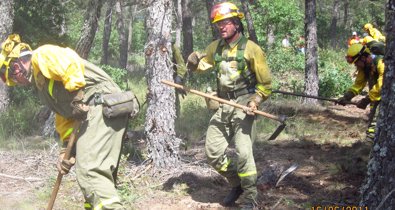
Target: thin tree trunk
x=333, y=26
x=311, y=67
x=107, y=31
x=89, y=28
x=270, y=35
x=178, y=24
x=346, y=7
x=123, y=34
x=187, y=28
x=133, y=10
x=250, y=22
x=161, y=113
x=378, y=191
x=6, y=23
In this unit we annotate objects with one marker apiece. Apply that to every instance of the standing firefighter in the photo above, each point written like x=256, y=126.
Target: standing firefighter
x=370, y=70
x=71, y=87
x=243, y=77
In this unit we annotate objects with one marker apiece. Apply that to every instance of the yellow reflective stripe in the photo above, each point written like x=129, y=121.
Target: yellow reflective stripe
x=225, y=166
x=262, y=88
x=247, y=174
x=68, y=132
x=106, y=202
x=50, y=87
x=371, y=130
x=87, y=206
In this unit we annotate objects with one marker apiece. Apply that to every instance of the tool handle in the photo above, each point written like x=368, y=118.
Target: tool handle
x=310, y=96
x=70, y=144
x=231, y=103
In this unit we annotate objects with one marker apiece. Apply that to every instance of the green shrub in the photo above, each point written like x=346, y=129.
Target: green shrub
x=118, y=75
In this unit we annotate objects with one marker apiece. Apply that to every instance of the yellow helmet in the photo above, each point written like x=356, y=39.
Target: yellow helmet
x=11, y=49
x=223, y=11
x=355, y=51
x=367, y=26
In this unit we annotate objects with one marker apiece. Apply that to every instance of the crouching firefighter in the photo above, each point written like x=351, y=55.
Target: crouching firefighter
x=69, y=85
x=243, y=77
x=370, y=71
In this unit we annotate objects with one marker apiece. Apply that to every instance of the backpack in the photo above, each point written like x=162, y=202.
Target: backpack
x=376, y=47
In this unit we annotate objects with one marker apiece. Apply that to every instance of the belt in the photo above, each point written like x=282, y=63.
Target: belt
x=235, y=94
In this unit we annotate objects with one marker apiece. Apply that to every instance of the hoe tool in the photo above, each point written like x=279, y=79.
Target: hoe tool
x=280, y=119
x=310, y=96
x=70, y=144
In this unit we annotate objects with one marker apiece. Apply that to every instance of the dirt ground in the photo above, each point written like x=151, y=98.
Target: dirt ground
x=331, y=168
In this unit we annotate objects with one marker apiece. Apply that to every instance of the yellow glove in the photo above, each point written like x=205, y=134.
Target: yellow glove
x=194, y=59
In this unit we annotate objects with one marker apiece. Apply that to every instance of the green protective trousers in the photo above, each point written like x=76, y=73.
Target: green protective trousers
x=228, y=124
x=98, y=151
x=372, y=121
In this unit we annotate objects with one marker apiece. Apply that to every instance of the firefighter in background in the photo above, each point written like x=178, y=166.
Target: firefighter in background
x=180, y=70
x=353, y=39
x=370, y=71
x=67, y=84
x=242, y=77
x=374, y=32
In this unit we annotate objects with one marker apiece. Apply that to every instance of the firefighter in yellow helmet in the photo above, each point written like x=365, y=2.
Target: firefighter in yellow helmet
x=69, y=85
x=374, y=32
x=243, y=77
x=370, y=71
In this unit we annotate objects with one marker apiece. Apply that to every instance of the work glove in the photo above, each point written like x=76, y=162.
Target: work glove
x=194, y=59
x=64, y=166
x=251, y=107
x=180, y=81
x=363, y=103
x=345, y=99
x=79, y=109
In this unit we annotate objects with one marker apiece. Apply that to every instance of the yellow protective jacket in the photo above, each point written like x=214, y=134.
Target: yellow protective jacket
x=254, y=57
x=57, y=74
x=376, y=34
x=373, y=75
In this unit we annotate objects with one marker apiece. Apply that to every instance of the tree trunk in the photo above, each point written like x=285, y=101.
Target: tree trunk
x=311, y=66
x=123, y=34
x=345, y=18
x=89, y=28
x=378, y=191
x=133, y=10
x=177, y=39
x=107, y=31
x=250, y=22
x=187, y=28
x=270, y=35
x=333, y=26
x=6, y=22
x=161, y=112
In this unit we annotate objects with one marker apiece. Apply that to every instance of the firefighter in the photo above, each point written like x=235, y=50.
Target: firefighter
x=242, y=76
x=374, y=32
x=370, y=71
x=68, y=85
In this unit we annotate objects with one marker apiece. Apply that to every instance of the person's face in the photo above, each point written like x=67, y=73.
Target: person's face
x=19, y=75
x=227, y=28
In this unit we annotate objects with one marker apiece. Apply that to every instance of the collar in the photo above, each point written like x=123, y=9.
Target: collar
x=232, y=44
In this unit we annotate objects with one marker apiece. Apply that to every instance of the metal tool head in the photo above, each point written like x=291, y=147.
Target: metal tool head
x=292, y=168
x=280, y=128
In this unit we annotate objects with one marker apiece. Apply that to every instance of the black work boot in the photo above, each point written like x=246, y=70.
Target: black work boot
x=234, y=194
